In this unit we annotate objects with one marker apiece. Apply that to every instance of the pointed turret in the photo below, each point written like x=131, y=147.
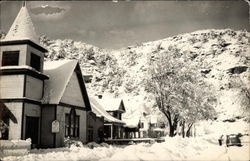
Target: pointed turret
x=21, y=45
x=22, y=28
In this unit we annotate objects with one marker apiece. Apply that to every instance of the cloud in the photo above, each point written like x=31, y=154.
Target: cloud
x=47, y=10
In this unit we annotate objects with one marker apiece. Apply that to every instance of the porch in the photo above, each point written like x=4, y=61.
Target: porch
x=134, y=141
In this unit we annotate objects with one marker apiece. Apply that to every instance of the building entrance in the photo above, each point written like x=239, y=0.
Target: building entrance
x=32, y=129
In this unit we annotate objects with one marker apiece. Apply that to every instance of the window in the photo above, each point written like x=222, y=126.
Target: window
x=35, y=61
x=77, y=118
x=142, y=125
x=90, y=133
x=153, y=125
x=72, y=124
x=66, y=125
x=115, y=114
x=10, y=58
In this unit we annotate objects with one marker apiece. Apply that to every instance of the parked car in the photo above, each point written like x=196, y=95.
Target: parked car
x=233, y=140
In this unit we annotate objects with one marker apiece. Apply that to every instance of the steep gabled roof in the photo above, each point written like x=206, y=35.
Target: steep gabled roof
x=59, y=73
x=100, y=111
x=22, y=28
x=112, y=104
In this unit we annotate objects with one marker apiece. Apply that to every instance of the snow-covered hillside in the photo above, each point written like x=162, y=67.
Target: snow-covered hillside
x=222, y=57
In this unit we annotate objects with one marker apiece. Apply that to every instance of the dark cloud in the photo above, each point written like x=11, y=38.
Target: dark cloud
x=47, y=10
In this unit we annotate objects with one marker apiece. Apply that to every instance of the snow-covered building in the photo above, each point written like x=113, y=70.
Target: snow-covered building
x=88, y=71
x=115, y=108
x=66, y=101
x=111, y=124
x=131, y=129
x=48, y=100
x=151, y=126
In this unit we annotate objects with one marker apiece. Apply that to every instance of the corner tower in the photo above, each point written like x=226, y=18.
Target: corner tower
x=21, y=45
x=22, y=78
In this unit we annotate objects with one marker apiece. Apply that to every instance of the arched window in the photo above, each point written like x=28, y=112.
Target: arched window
x=72, y=124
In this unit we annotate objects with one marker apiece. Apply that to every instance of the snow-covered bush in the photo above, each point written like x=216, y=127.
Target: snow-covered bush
x=72, y=142
x=14, y=147
x=93, y=145
x=3, y=129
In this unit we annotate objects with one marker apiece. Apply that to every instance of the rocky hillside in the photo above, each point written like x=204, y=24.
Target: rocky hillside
x=221, y=56
x=93, y=60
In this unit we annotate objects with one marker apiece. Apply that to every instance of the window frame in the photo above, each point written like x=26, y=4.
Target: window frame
x=10, y=56
x=90, y=133
x=34, y=59
x=72, y=124
x=66, y=125
x=142, y=125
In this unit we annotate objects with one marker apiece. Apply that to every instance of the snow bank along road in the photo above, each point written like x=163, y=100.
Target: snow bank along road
x=176, y=148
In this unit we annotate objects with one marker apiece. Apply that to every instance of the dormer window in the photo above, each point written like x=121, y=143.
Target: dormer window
x=35, y=61
x=10, y=58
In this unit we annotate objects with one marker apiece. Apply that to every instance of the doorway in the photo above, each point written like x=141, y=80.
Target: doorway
x=32, y=130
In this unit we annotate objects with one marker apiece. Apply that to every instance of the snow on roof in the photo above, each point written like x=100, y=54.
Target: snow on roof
x=100, y=111
x=22, y=28
x=131, y=122
x=158, y=129
x=111, y=104
x=25, y=67
x=59, y=73
x=17, y=67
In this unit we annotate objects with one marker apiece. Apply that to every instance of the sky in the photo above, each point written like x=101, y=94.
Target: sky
x=114, y=25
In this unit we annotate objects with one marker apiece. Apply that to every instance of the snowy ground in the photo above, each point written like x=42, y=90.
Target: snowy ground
x=202, y=147
x=172, y=149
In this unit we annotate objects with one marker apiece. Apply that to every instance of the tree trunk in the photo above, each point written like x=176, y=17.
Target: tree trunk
x=183, y=129
x=172, y=123
x=171, y=131
x=189, y=130
x=172, y=127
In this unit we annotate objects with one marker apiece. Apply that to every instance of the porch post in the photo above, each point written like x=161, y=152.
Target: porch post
x=111, y=131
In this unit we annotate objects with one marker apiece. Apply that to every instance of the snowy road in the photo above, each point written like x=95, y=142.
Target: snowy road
x=173, y=149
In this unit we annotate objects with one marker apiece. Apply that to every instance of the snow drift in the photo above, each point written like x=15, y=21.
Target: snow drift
x=172, y=149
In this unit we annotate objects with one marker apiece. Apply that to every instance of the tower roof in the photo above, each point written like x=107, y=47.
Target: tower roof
x=22, y=28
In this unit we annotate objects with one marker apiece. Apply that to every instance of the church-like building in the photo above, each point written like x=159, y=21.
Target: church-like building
x=44, y=101
x=48, y=101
